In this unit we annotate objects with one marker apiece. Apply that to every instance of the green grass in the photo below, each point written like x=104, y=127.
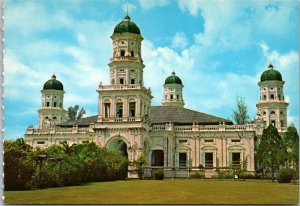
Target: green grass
x=162, y=192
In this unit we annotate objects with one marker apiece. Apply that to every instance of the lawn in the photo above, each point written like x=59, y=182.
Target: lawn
x=162, y=192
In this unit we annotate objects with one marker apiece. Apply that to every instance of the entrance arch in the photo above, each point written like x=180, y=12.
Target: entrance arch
x=118, y=145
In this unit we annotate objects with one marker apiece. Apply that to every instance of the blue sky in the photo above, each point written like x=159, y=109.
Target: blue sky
x=218, y=48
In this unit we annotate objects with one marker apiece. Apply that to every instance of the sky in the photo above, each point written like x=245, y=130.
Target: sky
x=218, y=48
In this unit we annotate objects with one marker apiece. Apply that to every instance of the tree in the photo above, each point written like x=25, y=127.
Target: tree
x=240, y=115
x=73, y=114
x=269, y=147
x=291, y=140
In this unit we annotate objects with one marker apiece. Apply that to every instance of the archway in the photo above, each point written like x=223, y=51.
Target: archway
x=119, y=146
x=157, y=158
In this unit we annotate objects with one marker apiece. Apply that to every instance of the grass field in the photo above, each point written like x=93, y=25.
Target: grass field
x=162, y=192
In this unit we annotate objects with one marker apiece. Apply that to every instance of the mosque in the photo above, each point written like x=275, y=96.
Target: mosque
x=169, y=136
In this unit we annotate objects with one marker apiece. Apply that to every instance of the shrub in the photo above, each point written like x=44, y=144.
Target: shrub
x=158, y=174
x=246, y=175
x=197, y=175
x=225, y=174
x=284, y=175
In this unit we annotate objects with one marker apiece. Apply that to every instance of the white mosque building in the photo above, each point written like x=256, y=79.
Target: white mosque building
x=170, y=135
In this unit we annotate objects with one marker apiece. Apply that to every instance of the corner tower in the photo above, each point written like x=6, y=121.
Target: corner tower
x=272, y=107
x=173, y=91
x=52, y=111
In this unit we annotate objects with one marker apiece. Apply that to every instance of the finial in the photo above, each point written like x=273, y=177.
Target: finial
x=127, y=16
x=173, y=73
x=270, y=65
x=53, y=76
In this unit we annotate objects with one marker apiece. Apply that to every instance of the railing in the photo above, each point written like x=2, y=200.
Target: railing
x=123, y=87
x=74, y=130
x=190, y=128
x=122, y=58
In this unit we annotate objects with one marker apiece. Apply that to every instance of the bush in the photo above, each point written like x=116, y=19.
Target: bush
x=225, y=174
x=158, y=174
x=284, y=175
x=197, y=175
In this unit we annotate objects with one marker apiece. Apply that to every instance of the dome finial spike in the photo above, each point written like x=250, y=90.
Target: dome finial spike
x=127, y=16
x=53, y=76
x=270, y=65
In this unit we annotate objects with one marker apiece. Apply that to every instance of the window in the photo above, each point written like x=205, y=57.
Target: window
x=182, y=141
x=281, y=123
x=48, y=104
x=132, y=109
x=122, y=53
x=171, y=96
x=209, y=160
x=264, y=113
x=236, y=158
x=46, y=117
x=272, y=112
x=119, y=111
x=122, y=42
x=279, y=97
x=281, y=112
x=132, y=70
x=177, y=96
x=121, y=81
x=182, y=159
x=85, y=142
x=60, y=104
x=40, y=142
x=54, y=97
x=235, y=140
x=132, y=81
x=272, y=96
x=271, y=88
x=54, y=104
x=132, y=53
x=264, y=97
x=273, y=123
x=106, y=110
x=208, y=140
x=54, y=118
x=166, y=97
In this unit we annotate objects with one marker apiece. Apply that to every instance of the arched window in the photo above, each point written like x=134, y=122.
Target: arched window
x=171, y=96
x=54, y=118
x=54, y=104
x=132, y=53
x=122, y=53
x=132, y=109
x=119, y=110
x=273, y=112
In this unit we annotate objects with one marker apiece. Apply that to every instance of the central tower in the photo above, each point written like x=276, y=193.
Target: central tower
x=124, y=104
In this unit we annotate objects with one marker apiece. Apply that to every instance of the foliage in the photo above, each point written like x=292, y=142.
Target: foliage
x=268, y=148
x=18, y=167
x=158, y=174
x=291, y=141
x=198, y=175
x=284, y=175
x=240, y=115
x=60, y=165
x=73, y=114
x=139, y=165
x=225, y=174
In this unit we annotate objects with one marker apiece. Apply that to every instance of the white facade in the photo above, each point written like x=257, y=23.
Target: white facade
x=127, y=123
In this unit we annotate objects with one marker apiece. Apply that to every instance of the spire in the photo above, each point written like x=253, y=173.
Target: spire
x=270, y=66
x=127, y=17
x=53, y=76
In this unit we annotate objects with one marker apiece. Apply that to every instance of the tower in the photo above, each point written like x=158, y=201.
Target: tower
x=272, y=107
x=173, y=91
x=125, y=99
x=52, y=111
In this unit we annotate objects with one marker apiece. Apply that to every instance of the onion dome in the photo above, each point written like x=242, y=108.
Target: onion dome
x=173, y=79
x=127, y=26
x=271, y=75
x=53, y=84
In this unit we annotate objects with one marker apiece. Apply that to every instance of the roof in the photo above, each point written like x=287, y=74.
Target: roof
x=270, y=75
x=127, y=26
x=53, y=84
x=82, y=122
x=180, y=115
x=161, y=115
x=173, y=79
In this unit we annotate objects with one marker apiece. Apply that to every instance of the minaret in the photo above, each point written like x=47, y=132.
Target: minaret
x=173, y=91
x=126, y=98
x=272, y=107
x=52, y=111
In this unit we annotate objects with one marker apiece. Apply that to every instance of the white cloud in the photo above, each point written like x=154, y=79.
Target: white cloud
x=179, y=40
x=148, y=4
x=131, y=8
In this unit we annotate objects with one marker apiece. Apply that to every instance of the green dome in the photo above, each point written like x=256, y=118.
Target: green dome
x=271, y=75
x=53, y=84
x=173, y=79
x=127, y=26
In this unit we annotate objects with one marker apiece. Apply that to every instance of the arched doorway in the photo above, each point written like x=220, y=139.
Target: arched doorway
x=157, y=158
x=119, y=146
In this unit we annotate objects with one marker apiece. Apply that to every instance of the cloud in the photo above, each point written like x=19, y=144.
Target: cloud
x=148, y=4
x=130, y=7
x=179, y=41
